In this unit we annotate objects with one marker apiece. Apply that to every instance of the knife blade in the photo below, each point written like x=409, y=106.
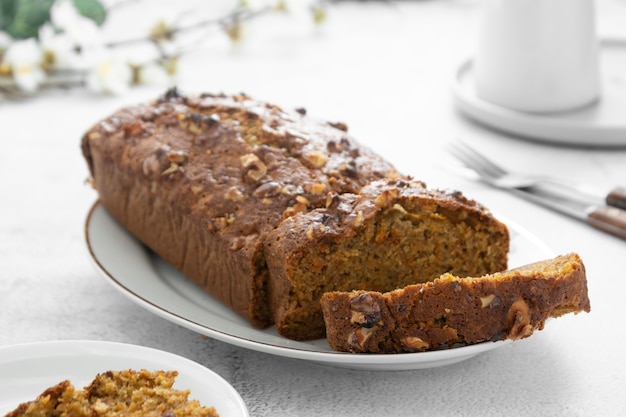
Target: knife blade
x=609, y=218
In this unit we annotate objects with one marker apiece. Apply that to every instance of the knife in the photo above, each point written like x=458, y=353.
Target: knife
x=617, y=197
x=608, y=216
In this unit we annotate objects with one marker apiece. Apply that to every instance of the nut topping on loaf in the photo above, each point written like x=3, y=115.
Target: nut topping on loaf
x=452, y=311
x=201, y=181
x=267, y=209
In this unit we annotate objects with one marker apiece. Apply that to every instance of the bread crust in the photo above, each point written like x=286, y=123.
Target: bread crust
x=392, y=234
x=202, y=179
x=453, y=311
x=44, y=404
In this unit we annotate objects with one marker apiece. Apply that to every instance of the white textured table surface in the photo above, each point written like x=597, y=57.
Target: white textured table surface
x=386, y=72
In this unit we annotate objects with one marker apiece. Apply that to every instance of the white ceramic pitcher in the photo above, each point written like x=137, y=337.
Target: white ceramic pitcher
x=537, y=55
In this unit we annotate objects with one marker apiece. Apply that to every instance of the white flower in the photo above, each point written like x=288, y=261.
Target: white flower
x=162, y=34
x=59, y=49
x=152, y=74
x=24, y=58
x=311, y=10
x=70, y=41
x=110, y=75
x=5, y=41
x=81, y=29
x=76, y=39
x=255, y=4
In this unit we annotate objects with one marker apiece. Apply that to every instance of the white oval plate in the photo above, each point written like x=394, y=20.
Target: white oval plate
x=601, y=124
x=155, y=285
x=27, y=370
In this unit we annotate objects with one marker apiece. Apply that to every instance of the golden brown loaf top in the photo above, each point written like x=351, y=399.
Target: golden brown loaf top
x=452, y=311
x=240, y=164
x=116, y=393
x=202, y=179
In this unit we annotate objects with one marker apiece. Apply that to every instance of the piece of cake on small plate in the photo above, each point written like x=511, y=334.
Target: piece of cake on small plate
x=127, y=393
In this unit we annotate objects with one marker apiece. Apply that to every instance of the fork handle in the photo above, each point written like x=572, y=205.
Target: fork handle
x=617, y=198
x=609, y=219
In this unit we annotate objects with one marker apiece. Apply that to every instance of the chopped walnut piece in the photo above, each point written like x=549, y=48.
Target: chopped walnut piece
x=310, y=233
x=317, y=188
x=251, y=136
x=398, y=207
x=300, y=206
x=188, y=124
x=385, y=198
x=358, y=338
x=196, y=123
x=333, y=147
x=255, y=174
x=518, y=318
x=339, y=125
x=316, y=158
x=93, y=135
x=237, y=243
x=268, y=189
x=249, y=159
x=414, y=344
x=133, y=130
x=233, y=194
x=364, y=310
x=486, y=300
x=256, y=169
x=357, y=317
x=220, y=223
x=171, y=169
x=332, y=199
x=178, y=157
x=302, y=200
x=349, y=169
x=358, y=219
x=288, y=212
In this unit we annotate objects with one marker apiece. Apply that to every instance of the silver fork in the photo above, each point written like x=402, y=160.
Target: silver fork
x=608, y=215
x=495, y=175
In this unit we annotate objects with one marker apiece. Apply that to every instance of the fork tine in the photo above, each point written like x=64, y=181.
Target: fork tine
x=476, y=161
x=470, y=163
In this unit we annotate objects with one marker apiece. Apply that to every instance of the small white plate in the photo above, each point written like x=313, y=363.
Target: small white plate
x=602, y=124
x=27, y=370
x=155, y=285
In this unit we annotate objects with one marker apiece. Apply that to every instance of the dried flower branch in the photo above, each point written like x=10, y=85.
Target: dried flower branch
x=59, y=44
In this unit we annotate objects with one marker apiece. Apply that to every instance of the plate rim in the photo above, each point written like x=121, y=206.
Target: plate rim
x=404, y=361
x=538, y=128
x=87, y=348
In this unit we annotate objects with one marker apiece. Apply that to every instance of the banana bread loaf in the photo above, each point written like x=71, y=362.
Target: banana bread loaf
x=116, y=393
x=392, y=234
x=204, y=180
x=452, y=311
x=201, y=180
